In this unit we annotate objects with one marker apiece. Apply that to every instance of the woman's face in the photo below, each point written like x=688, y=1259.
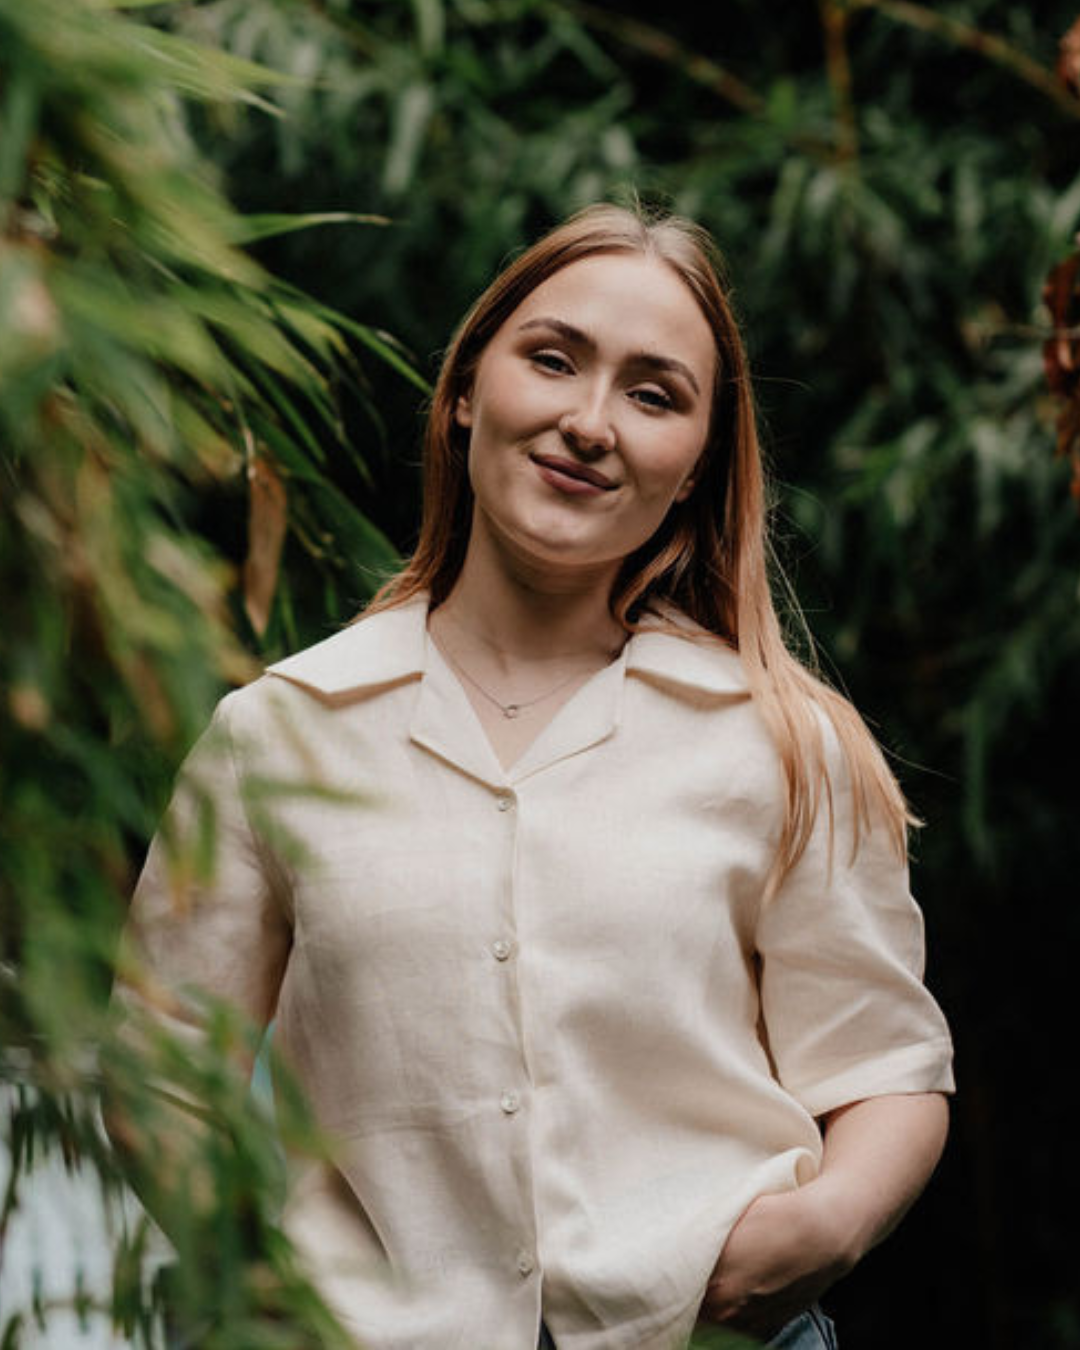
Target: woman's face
x=589, y=413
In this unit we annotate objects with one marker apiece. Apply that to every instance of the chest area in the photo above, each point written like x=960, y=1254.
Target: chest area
x=399, y=851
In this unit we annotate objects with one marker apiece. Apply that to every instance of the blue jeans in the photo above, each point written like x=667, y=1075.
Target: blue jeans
x=811, y=1330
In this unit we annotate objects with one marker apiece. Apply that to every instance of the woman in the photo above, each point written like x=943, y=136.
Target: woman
x=596, y=953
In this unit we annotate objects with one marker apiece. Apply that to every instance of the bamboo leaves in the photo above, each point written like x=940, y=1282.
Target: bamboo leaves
x=151, y=371
x=267, y=522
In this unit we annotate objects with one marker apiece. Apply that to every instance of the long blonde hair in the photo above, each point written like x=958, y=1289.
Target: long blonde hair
x=711, y=556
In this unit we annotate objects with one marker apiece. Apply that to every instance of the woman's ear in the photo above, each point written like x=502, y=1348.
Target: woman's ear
x=463, y=411
x=688, y=483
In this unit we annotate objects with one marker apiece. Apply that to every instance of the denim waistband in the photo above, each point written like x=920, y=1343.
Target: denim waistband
x=811, y=1330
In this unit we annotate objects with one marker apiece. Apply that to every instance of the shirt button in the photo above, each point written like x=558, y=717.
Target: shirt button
x=501, y=949
x=510, y=1102
x=504, y=801
x=525, y=1263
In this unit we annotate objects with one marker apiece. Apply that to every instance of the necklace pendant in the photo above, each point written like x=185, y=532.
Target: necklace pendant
x=511, y=710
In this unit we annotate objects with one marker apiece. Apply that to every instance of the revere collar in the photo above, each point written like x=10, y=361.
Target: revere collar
x=386, y=648
x=445, y=722
x=681, y=654
x=392, y=646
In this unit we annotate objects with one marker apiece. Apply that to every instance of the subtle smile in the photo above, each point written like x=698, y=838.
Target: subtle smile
x=569, y=475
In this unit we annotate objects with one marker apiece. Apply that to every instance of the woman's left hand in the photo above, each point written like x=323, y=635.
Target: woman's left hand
x=787, y=1249
x=783, y=1253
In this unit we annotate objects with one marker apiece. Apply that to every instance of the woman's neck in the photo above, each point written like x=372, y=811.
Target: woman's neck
x=519, y=616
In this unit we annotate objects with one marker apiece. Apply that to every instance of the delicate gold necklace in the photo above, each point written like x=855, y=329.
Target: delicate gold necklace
x=511, y=710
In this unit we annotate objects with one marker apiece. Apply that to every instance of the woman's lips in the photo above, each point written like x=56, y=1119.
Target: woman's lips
x=567, y=475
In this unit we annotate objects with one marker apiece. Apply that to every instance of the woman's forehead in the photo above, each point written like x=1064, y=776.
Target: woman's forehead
x=623, y=300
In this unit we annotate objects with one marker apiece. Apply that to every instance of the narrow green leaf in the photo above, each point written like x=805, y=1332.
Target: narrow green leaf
x=411, y=114
x=17, y=122
x=292, y=415
x=207, y=72
x=380, y=343
x=270, y=224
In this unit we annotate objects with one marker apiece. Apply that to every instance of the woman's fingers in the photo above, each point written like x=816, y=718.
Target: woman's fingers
x=780, y=1257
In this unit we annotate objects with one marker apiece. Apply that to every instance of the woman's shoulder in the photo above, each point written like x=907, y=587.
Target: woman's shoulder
x=376, y=649
x=671, y=647
x=375, y=652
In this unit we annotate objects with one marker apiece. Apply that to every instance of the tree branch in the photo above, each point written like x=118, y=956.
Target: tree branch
x=834, y=22
x=990, y=45
x=643, y=37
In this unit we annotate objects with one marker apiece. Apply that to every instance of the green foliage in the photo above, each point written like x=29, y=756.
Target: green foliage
x=148, y=366
x=888, y=254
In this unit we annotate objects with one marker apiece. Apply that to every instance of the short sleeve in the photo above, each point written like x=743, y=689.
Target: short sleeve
x=208, y=915
x=844, y=1006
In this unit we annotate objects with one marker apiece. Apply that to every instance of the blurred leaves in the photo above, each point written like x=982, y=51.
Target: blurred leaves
x=267, y=523
x=154, y=376
x=1068, y=65
x=889, y=254
x=1061, y=357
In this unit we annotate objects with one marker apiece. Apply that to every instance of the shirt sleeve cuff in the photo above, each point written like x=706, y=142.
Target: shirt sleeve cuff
x=926, y=1067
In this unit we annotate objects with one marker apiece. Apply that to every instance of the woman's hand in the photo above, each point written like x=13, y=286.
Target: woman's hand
x=784, y=1252
x=787, y=1249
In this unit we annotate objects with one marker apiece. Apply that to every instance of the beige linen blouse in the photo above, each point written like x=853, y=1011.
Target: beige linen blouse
x=560, y=1039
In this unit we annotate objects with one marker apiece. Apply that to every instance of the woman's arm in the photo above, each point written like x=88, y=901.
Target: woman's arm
x=787, y=1249
x=209, y=925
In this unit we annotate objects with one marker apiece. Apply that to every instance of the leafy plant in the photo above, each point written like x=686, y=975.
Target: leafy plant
x=151, y=372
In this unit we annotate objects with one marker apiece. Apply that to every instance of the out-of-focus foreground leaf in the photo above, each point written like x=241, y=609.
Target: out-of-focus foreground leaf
x=148, y=367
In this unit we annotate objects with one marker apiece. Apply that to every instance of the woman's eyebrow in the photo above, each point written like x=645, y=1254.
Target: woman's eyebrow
x=651, y=360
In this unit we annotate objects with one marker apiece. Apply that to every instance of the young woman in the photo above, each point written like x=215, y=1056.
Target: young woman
x=595, y=952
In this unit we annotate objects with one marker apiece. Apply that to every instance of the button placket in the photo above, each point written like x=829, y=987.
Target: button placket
x=511, y=1101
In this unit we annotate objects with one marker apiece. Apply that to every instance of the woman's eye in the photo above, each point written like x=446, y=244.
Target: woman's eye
x=653, y=397
x=551, y=361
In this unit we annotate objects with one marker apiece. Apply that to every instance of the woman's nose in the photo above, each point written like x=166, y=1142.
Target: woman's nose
x=587, y=426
